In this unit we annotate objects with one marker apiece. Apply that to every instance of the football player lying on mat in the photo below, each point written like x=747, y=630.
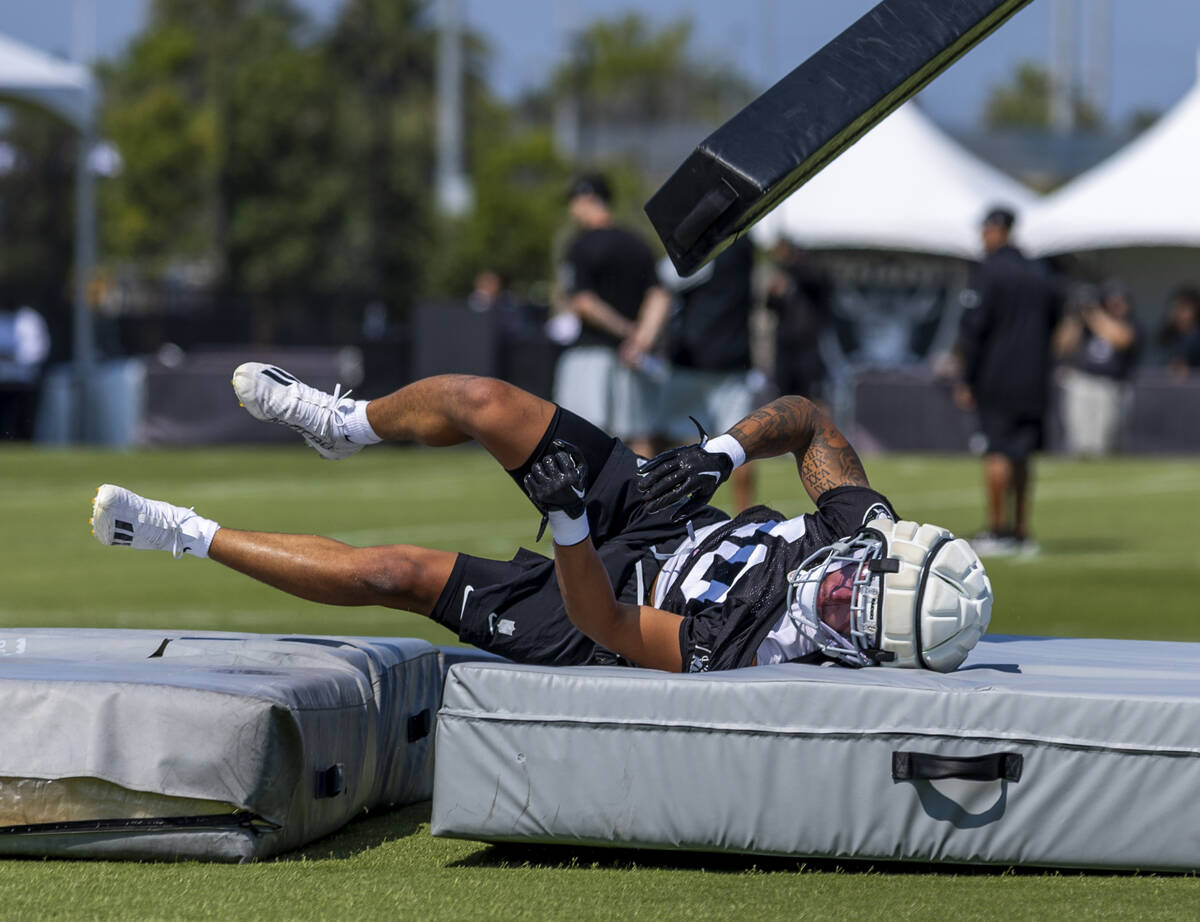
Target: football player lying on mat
x=645, y=571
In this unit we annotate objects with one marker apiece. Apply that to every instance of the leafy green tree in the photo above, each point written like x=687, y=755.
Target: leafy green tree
x=285, y=189
x=293, y=164
x=161, y=112
x=297, y=165
x=1025, y=103
x=382, y=58
x=622, y=69
x=224, y=120
x=519, y=183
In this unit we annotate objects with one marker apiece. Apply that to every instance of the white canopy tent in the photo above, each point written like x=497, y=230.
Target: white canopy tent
x=1145, y=195
x=904, y=186
x=67, y=91
x=64, y=88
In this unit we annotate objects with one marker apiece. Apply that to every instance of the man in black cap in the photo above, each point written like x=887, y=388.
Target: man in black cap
x=1005, y=342
x=609, y=278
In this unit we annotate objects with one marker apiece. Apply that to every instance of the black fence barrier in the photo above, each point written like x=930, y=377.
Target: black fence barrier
x=912, y=411
x=189, y=401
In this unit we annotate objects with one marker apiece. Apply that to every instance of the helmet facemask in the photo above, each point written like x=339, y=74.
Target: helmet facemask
x=859, y=644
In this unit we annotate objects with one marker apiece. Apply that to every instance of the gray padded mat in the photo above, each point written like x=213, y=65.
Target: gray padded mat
x=800, y=760
x=152, y=744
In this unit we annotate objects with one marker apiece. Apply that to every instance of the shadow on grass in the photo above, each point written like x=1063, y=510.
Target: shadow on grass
x=563, y=857
x=364, y=834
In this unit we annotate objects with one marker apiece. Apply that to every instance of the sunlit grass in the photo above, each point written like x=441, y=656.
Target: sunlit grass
x=1119, y=559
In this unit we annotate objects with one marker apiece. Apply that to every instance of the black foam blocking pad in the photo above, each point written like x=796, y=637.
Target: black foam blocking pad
x=789, y=133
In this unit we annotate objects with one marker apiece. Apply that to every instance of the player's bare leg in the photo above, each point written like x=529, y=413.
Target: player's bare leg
x=1020, y=492
x=441, y=410
x=450, y=409
x=998, y=474
x=308, y=566
x=320, y=569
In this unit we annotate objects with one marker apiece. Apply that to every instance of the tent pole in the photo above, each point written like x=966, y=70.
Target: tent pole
x=84, y=351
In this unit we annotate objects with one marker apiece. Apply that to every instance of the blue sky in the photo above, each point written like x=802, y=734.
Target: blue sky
x=1153, y=61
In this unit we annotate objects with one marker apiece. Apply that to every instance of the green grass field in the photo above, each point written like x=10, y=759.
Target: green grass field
x=1119, y=559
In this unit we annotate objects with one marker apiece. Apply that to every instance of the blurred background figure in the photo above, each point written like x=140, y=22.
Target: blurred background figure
x=512, y=319
x=1098, y=342
x=491, y=296
x=1180, y=333
x=607, y=375
x=24, y=346
x=708, y=336
x=799, y=294
x=1010, y=314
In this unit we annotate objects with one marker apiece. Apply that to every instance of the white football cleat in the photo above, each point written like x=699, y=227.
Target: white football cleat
x=271, y=394
x=122, y=518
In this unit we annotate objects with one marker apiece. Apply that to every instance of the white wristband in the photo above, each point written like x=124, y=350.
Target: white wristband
x=727, y=445
x=566, y=530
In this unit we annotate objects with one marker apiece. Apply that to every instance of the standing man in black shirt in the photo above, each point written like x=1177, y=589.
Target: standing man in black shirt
x=1005, y=340
x=606, y=375
x=800, y=294
x=708, y=337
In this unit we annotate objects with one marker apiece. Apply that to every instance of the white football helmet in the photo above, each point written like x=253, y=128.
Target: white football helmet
x=920, y=597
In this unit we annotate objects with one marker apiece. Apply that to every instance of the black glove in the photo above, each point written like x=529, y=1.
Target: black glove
x=688, y=473
x=558, y=481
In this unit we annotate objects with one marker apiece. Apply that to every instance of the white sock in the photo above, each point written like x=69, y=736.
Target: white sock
x=358, y=429
x=197, y=533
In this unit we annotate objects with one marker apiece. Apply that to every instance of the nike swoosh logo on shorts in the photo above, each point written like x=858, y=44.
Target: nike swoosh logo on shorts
x=466, y=595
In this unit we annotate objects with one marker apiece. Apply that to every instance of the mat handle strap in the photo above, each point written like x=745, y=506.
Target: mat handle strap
x=999, y=766
x=419, y=725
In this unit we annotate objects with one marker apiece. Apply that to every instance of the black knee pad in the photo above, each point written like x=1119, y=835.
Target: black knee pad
x=593, y=443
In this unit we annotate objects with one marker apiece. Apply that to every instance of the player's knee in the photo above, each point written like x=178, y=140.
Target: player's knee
x=480, y=397
x=391, y=572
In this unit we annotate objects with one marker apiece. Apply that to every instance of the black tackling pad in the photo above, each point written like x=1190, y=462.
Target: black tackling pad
x=789, y=133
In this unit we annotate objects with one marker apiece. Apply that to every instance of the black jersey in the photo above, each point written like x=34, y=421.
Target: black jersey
x=616, y=266
x=1005, y=333
x=709, y=328
x=731, y=582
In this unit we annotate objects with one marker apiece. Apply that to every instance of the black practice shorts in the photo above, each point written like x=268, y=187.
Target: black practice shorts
x=514, y=607
x=1012, y=435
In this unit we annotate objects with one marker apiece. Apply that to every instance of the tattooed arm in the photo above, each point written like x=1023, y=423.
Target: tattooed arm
x=823, y=456
x=687, y=477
